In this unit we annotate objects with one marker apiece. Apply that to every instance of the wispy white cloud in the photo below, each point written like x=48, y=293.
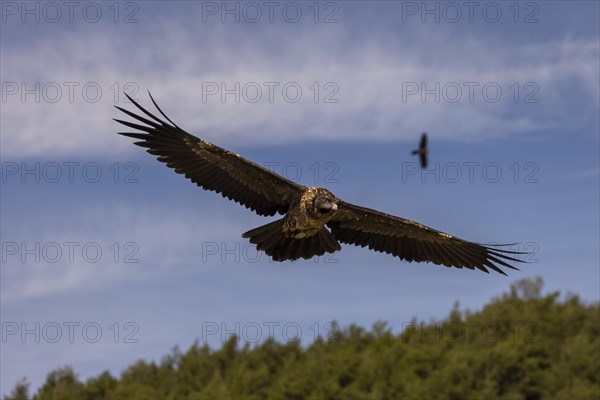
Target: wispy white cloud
x=133, y=244
x=371, y=78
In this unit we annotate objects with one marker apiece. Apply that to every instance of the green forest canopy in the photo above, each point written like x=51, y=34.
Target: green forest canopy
x=521, y=345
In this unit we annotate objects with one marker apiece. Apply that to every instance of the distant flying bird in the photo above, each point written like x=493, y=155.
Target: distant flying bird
x=308, y=211
x=422, y=151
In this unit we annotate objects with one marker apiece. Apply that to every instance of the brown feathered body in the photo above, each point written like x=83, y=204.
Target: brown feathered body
x=301, y=233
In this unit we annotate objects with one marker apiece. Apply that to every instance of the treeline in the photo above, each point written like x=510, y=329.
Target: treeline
x=522, y=345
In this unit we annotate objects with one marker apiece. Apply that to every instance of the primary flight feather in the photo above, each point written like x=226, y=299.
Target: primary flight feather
x=308, y=211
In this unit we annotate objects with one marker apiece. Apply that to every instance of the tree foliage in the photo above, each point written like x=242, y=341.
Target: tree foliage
x=522, y=345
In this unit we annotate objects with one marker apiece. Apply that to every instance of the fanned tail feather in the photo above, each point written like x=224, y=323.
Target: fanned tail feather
x=271, y=239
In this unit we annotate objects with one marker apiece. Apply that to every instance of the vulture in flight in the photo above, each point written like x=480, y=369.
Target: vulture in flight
x=422, y=151
x=315, y=221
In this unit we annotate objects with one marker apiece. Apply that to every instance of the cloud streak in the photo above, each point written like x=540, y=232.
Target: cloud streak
x=374, y=88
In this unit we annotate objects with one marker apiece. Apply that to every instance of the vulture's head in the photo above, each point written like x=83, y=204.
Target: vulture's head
x=325, y=202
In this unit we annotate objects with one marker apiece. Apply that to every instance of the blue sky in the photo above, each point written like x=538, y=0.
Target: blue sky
x=96, y=234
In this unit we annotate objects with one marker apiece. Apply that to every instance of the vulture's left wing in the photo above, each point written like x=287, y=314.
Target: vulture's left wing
x=412, y=241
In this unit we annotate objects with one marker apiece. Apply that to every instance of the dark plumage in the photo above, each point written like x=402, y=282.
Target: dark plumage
x=309, y=211
x=422, y=151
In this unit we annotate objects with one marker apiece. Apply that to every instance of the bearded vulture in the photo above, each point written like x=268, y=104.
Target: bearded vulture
x=315, y=221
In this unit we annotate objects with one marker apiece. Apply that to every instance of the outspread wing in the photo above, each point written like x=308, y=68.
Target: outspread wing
x=212, y=167
x=423, y=144
x=423, y=159
x=412, y=241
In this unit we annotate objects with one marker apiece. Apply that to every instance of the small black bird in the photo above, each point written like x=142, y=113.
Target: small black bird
x=422, y=151
x=309, y=211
